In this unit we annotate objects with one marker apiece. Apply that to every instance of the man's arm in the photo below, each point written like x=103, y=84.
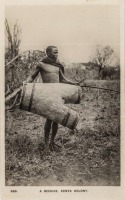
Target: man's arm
x=65, y=80
x=31, y=78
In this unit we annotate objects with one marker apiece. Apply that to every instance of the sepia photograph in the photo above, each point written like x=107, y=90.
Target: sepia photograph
x=62, y=68
x=62, y=81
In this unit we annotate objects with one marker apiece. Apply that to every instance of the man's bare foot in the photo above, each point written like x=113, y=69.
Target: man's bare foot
x=54, y=147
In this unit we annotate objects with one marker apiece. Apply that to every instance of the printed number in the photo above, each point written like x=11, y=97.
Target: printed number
x=13, y=190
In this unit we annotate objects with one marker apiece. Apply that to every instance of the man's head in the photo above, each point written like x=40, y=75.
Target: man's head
x=52, y=52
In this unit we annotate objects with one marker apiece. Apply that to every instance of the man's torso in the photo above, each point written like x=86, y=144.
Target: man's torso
x=49, y=73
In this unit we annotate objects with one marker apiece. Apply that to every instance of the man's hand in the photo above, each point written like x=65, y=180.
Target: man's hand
x=24, y=82
x=77, y=83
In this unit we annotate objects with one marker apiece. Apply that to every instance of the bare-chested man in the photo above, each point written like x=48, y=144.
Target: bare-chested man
x=52, y=71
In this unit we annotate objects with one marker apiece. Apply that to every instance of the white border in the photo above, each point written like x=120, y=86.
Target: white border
x=94, y=192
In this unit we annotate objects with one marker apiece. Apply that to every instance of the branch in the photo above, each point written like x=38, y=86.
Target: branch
x=12, y=95
x=12, y=60
x=14, y=103
x=19, y=56
x=9, y=90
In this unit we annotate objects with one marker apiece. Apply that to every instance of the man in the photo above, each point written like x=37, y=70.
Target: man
x=52, y=71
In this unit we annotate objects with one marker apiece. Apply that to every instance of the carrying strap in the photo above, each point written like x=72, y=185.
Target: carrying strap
x=75, y=123
x=31, y=97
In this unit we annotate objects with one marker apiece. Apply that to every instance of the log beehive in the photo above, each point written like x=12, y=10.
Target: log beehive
x=49, y=99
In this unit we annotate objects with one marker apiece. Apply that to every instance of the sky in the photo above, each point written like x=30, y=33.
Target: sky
x=74, y=29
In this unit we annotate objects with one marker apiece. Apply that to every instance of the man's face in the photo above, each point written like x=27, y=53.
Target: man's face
x=53, y=53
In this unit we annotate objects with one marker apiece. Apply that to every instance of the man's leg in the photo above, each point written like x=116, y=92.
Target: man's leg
x=54, y=131
x=47, y=129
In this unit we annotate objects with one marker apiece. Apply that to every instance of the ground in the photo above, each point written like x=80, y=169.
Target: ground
x=90, y=157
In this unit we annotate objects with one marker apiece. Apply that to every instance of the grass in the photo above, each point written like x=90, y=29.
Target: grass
x=90, y=157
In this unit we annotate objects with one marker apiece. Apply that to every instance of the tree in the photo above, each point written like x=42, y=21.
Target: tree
x=102, y=56
x=13, y=39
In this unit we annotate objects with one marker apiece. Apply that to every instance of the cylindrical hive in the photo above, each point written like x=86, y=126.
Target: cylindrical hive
x=47, y=100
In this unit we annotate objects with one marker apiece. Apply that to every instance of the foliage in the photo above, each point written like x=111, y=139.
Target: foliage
x=92, y=72
x=107, y=62
x=102, y=56
x=110, y=73
x=13, y=39
x=19, y=70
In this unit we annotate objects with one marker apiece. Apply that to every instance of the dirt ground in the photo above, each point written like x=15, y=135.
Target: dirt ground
x=90, y=157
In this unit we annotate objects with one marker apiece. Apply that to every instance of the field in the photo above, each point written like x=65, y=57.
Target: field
x=90, y=157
